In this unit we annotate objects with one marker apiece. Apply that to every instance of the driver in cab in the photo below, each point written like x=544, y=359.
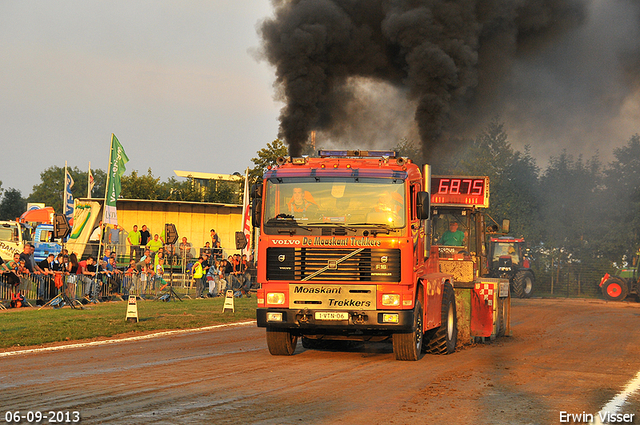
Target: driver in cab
x=301, y=203
x=453, y=236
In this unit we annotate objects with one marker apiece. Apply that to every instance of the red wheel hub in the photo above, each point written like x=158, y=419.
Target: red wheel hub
x=614, y=290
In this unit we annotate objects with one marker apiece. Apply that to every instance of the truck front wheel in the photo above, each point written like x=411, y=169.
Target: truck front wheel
x=443, y=340
x=281, y=342
x=615, y=289
x=408, y=346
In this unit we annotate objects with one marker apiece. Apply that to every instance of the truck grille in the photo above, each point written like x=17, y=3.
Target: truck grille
x=303, y=264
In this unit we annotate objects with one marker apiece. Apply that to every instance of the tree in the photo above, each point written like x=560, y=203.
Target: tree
x=50, y=190
x=266, y=157
x=621, y=200
x=147, y=186
x=409, y=149
x=12, y=205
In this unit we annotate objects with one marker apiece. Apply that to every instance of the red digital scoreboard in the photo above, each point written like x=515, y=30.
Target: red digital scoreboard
x=460, y=191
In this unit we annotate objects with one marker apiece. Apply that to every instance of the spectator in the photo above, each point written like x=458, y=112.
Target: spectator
x=198, y=275
x=14, y=265
x=146, y=273
x=159, y=269
x=159, y=255
x=147, y=254
x=154, y=245
x=214, y=279
x=46, y=267
x=217, y=251
x=242, y=283
x=114, y=275
x=248, y=269
x=134, y=240
x=145, y=236
x=143, y=263
x=185, y=248
x=72, y=267
x=214, y=237
x=132, y=277
x=89, y=277
x=206, y=249
x=5, y=268
x=107, y=254
x=34, y=270
x=114, y=238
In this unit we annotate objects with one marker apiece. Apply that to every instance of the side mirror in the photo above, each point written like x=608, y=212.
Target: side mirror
x=256, y=212
x=256, y=191
x=423, y=205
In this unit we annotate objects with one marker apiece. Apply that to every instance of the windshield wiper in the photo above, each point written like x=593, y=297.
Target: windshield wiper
x=380, y=226
x=287, y=222
x=325, y=224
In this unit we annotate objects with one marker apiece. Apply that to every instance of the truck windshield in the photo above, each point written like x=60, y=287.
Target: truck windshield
x=314, y=201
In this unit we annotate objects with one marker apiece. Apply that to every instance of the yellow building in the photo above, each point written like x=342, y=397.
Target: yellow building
x=192, y=219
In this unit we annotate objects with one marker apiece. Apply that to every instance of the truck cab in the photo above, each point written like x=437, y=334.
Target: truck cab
x=44, y=243
x=13, y=236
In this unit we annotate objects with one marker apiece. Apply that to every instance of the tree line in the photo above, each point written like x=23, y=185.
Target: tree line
x=578, y=215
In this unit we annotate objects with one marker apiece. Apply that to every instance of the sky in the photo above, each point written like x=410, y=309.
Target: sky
x=181, y=85
x=177, y=82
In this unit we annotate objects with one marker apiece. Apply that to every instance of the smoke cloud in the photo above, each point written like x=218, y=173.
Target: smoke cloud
x=368, y=72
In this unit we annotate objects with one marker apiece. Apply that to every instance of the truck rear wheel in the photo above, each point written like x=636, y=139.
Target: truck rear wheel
x=281, y=342
x=443, y=339
x=408, y=346
x=615, y=289
x=522, y=285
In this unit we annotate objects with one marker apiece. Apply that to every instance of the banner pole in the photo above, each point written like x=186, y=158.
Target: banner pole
x=104, y=205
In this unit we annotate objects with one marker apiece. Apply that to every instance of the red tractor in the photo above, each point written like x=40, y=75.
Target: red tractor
x=508, y=258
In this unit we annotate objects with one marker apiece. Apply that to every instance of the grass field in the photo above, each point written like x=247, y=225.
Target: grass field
x=32, y=327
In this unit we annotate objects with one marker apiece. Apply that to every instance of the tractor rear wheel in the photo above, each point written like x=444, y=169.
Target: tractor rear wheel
x=615, y=289
x=281, y=342
x=443, y=340
x=522, y=285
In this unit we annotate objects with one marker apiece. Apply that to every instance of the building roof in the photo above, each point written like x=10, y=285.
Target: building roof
x=209, y=176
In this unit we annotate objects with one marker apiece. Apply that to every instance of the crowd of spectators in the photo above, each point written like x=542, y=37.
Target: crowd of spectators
x=212, y=274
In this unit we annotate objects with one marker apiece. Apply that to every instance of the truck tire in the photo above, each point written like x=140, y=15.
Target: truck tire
x=281, y=342
x=408, y=346
x=615, y=289
x=522, y=285
x=443, y=340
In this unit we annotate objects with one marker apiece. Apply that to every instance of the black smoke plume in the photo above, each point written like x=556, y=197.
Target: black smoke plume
x=449, y=59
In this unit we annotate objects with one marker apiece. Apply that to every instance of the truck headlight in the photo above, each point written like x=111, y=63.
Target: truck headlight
x=275, y=298
x=391, y=299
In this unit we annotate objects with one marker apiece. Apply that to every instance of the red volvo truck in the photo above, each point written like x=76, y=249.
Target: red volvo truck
x=351, y=247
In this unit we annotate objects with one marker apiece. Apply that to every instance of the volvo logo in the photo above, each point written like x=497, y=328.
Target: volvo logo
x=384, y=259
x=281, y=258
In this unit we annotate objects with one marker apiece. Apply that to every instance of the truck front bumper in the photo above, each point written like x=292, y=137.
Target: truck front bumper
x=308, y=321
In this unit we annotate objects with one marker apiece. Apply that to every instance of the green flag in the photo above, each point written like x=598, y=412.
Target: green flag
x=117, y=160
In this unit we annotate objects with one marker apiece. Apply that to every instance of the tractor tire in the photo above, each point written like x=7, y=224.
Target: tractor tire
x=443, y=340
x=615, y=289
x=522, y=284
x=281, y=342
x=408, y=345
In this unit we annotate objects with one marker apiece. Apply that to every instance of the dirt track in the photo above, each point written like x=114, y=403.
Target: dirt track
x=564, y=355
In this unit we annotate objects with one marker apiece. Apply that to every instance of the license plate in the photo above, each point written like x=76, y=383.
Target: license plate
x=332, y=315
